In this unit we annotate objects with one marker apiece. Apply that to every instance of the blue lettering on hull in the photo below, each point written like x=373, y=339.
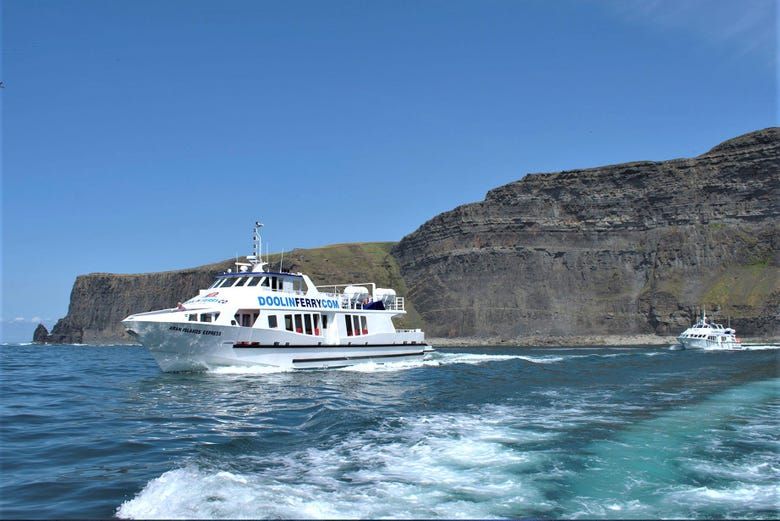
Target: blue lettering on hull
x=298, y=302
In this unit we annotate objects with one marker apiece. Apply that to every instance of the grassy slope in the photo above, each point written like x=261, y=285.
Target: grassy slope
x=750, y=285
x=351, y=263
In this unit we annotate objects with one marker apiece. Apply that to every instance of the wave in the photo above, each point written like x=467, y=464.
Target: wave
x=250, y=369
x=452, y=465
x=442, y=359
x=436, y=359
x=662, y=462
x=759, y=347
x=502, y=461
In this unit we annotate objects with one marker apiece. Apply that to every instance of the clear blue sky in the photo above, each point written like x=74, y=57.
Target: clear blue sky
x=148, y=135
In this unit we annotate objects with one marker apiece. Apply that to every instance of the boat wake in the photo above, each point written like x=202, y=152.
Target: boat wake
x=433, y=466
x=501, y=461
x=436, y=359
x=441, y=359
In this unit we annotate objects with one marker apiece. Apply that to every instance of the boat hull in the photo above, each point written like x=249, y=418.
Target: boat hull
x=703, y=343
x=200, y=347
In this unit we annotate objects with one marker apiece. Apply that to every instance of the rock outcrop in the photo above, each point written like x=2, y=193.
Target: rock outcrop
x=41, y=334
x=623, y=249
x=99, y=301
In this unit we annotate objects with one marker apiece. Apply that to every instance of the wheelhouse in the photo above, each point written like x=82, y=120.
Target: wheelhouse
x=273, y=281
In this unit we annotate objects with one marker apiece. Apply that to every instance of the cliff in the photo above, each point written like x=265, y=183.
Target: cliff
x=99, y=301
x=623, y=249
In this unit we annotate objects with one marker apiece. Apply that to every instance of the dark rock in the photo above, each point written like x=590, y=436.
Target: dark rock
x=41, y=334
x=622, y=249
x=99, y=301
x=625, y=249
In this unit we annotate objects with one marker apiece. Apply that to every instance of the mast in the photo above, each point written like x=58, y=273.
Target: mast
x=257, y=241
x=257, y=247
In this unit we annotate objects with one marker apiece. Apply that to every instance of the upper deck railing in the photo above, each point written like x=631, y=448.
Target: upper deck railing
x=360, y=300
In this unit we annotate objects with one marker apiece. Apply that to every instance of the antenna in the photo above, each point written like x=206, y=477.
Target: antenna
x=257, y=242
x=281, y=259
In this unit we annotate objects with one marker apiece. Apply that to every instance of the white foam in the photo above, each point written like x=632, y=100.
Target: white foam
x=757, y=497
x=250, y=369
x=435, y=360
x=441, y=359
x=759, y=347
x=452, y=465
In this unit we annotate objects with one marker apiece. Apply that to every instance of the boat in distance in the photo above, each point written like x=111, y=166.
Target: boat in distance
x=252, y=316
x=709, y=335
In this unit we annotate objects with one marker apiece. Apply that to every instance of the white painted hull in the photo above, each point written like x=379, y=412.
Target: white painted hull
x=703, y=343
x=180, y=346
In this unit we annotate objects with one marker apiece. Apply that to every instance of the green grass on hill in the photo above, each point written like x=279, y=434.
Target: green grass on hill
x=351, y=263
x=749, y=285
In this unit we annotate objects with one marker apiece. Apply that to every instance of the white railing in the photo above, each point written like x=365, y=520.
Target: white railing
x=398, y=305
x=336, y=291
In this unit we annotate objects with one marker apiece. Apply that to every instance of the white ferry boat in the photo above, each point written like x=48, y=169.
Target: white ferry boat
x=708, y=335
x=251, y=316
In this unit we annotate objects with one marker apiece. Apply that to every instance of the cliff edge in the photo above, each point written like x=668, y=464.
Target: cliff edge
x=99, y=301
x=632, y=248
x=628, y=249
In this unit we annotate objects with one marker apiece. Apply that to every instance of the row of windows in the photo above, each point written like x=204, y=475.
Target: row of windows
x=204, y=317
x=702, y=336
x=308, y=323
x=274, y=283
x=356, y=325
x=303, y=323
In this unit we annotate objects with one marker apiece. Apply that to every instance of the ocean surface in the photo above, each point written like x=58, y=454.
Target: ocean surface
x=473, y=433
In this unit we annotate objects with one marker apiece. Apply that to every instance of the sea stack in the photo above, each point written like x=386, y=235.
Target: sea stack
x=41, y=334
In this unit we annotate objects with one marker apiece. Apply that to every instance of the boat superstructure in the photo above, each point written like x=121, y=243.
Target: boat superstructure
x=709, y=335
x=251, y=315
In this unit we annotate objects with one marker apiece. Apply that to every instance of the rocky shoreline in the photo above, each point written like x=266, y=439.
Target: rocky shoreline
x=576, y=341
x=527, y=342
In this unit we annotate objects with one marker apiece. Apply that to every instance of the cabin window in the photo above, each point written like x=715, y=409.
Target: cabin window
x=272, y=321
x=246, y=317
x=253, y=281
x=307, y=321
x=348, y=319
x=356, y=324
x=324, y=321
x=193, y=317
x=214, y=284
x=364, y=325
x=288, y=322
x=298, y=324
x=275, y=284
x=316, y=318
x=209, y=317
x=265, y=282
x=229, y=282
x=241, y=281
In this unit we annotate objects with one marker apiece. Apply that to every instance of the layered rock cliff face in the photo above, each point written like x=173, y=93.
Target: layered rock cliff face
x=99, y=301
x=622, y=249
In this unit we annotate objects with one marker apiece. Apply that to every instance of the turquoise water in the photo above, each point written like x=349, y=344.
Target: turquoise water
x=472, y=433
